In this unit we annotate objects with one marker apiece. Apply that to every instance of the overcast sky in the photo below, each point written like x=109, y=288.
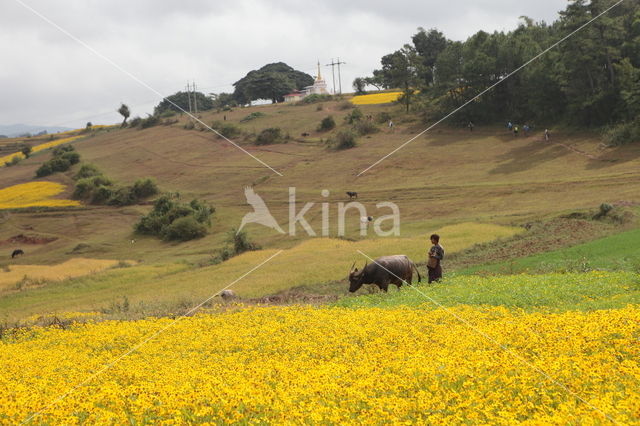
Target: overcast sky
x=47, y=78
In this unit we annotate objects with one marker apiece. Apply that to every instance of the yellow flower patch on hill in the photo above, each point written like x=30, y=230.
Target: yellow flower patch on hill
x=376, y=98
x=37, y=148
x=33, y=194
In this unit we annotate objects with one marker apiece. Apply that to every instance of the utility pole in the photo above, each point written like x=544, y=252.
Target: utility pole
x=189, y=96
x=339, y=76
x=332, y=65
x=195, y=98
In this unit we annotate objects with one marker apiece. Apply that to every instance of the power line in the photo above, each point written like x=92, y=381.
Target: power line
x=332, y=65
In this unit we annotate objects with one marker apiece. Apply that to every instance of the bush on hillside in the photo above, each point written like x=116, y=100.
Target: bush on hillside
x=345, y=139
x=622, y=133
x=99, y=189
x=383, y=117
x=252, y=116
x=269, y=136
x=135, y=122
x=312, y=99
x=175, y=221
x=150, y=121
x=63, y=158
x=327, y=124
x=184, y=229
x=86, y=171
x=344, y=105
x=226, y=129
x=364, y=128
x=14, y=160
x=144, y=188
x=355, y=116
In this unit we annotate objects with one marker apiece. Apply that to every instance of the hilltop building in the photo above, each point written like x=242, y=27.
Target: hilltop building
x=319, y=87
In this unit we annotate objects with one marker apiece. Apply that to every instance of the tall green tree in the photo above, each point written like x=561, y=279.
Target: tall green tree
x=124, y=111
x=179, y=102
x=429, y=45
x=272, y=81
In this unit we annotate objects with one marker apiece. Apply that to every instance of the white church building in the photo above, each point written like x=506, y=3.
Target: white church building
x=319, y=87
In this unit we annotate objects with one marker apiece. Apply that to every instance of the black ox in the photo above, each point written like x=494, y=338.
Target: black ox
x=384, y=271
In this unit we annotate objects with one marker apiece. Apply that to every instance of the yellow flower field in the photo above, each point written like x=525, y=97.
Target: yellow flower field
x=40, y=147
x=304, y=365
x=376, y=98
x=33, y=194
x=72, y=268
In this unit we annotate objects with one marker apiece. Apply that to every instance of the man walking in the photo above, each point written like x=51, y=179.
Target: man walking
x=436, y=254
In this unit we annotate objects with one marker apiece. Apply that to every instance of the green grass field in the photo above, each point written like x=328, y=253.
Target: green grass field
x=616, y=252
x=554, y=292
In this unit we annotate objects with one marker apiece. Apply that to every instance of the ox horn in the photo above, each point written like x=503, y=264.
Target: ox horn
x=352, y=266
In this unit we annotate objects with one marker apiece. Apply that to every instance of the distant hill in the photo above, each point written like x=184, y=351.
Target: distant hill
x=13, y=130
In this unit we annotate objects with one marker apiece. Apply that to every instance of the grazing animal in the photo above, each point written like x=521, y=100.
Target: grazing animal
x=352, y=194
x=16, y=252
x=228, y=294
x=382, y=272
x=305, y=134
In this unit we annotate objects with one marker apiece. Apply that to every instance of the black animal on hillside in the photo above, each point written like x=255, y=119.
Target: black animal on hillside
x=16, y=252
x=384, y=271
x=304, y=134
x=352, y=195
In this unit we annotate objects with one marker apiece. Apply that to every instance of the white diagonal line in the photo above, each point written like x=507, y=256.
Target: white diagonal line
x=144, y=341
x=490, y=87
x=119, y=68
x=495, y=342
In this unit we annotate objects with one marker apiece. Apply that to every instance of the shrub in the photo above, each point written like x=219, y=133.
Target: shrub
x=345, y=139
x=135, y=122
x=184, y=229
x=312, y=99
x=26, y=151
x=143, y=188
x=14, y=160
x=101, y=195
x=172, y=220
x=86, y=171
x=365, y=128
x=327, y=124
x=269, y=136
x=123, y=196
x=345, y=105
x=168, y=113
x=354, y=116
x=622, y=133
x=150, y=121
x=71, y=157
x=252, y=116
x=240, y=242
x=56, y=164
x=228, y=130
x=383, y=117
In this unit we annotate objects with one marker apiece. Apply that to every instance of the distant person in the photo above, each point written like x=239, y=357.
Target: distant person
x=470, y=126
x=390, y=125
x=526, y=129
x=510, y=126
x=515, y=130
x=435, y=256
x=546, y=135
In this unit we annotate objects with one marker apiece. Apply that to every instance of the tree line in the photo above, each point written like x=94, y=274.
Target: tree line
x=591, y=79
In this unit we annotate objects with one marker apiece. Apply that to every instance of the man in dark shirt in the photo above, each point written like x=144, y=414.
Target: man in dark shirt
x=436, y=254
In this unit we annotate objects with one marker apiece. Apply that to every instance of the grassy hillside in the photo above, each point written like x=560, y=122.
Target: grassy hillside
x=445, y=177
x=449, y=176
x=615, y=252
